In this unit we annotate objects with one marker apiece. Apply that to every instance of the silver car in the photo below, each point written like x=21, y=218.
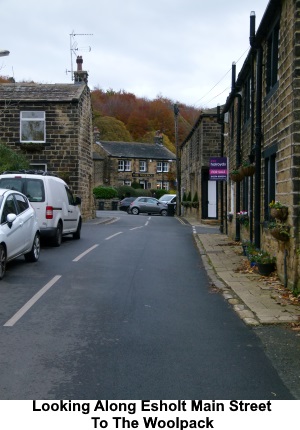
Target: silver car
x=148, y=205
x=19, y=231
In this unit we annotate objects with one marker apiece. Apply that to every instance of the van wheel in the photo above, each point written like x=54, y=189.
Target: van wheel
x=34, y=254
x=2, y=261
x=58, y=235
x=77, y=233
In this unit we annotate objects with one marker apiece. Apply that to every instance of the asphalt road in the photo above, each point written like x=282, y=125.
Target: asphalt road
x=126, y=313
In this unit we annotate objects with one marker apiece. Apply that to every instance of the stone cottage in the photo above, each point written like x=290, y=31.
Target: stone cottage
x=151, y=165
x=202, y=143
x=52, y=125
x=261, y=121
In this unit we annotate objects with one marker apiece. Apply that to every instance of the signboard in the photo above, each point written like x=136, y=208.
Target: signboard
x=218, y=170
x=142, y=175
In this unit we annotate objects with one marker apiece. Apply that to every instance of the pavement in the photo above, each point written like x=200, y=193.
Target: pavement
x=257, y=299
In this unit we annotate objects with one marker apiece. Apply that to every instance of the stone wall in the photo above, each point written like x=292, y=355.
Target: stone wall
x=203, y=143
x=68, y=148
x=281, y=130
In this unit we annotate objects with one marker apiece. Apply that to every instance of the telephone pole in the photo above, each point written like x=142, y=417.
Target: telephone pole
x=178, y=198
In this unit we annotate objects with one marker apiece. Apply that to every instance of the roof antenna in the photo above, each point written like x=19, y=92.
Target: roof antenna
x=74, y=49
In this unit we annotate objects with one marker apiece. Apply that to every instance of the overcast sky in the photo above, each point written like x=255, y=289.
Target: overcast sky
x=179, y=49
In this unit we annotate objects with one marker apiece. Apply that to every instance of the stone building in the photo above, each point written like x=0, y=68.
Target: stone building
x=261, y=119
x=202, y=143
x=52, y=125
x=151, y=165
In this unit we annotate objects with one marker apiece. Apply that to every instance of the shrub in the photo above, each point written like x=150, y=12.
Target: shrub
x=11, y=160
x=136, y=185
x=105, y=192
x=125, y=191
x=158, y=193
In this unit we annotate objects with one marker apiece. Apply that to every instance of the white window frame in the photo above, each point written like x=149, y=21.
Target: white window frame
x=162, y=167
x=27, y=117
x=127, y=165
x=39, y=166
x=143, y=166
x=163, y=185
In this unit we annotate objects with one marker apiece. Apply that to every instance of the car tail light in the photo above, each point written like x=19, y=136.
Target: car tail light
x=49, y=212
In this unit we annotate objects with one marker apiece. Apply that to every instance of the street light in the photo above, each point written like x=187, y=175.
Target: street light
x=4, y=53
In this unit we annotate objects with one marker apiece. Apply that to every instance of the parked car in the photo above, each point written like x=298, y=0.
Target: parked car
x=19, y=230
x=148, y=205
x=56, y=208
x=168, y=198
x=124, y=204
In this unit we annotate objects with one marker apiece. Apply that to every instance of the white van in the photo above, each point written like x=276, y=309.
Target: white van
x=57, y=210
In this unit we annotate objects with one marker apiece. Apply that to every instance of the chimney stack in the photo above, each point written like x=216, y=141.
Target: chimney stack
x=80, y=76
x=158, y=138
x=79, y=62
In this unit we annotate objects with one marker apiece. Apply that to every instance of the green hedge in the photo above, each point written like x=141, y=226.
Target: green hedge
x=105, y=192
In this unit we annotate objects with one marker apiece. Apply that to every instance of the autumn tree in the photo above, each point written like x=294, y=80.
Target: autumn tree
x=111, y=129
x=141, y=116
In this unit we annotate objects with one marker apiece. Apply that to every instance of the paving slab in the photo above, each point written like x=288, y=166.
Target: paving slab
x=260, y=303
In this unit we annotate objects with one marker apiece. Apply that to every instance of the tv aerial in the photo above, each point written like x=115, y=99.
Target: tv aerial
x=74, y=49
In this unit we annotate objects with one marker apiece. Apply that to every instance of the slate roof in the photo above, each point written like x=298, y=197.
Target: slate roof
x=137, y=150
x=41, y=92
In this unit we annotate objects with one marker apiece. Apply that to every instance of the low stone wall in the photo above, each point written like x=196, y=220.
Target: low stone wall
x=107, y=204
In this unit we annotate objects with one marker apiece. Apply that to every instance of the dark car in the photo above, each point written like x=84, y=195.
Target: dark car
x=148, y=205
x=125, y=203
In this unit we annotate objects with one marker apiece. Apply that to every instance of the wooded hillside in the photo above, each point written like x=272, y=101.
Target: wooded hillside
x=123, y=116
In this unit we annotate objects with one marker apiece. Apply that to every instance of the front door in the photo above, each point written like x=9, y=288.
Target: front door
x=212, y=199
x=209, y=197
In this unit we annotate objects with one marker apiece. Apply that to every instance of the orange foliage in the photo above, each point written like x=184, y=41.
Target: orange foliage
x=141, y=115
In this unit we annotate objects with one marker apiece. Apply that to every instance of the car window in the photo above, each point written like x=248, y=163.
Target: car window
x=12, y=184
x=35, y=190
x=22, y=203
x=70, y=197
x=153, y=201
x=9, y=208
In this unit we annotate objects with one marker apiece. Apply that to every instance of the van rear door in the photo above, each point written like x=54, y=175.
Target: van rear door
x=71, y=220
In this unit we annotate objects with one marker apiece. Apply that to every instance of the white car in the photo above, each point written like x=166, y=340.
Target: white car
x=168, y=198
x=19, y=231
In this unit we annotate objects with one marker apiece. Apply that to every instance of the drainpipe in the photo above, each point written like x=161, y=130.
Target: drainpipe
x=221, y=122
x=258, y=132
x=251, y=155
x=237, y=154
x=238, y=159
x=258, y=139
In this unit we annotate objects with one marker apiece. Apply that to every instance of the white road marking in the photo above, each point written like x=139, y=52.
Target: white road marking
x=134, y=228
x=114, y=235
x=85, y=252
x=12, y=321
